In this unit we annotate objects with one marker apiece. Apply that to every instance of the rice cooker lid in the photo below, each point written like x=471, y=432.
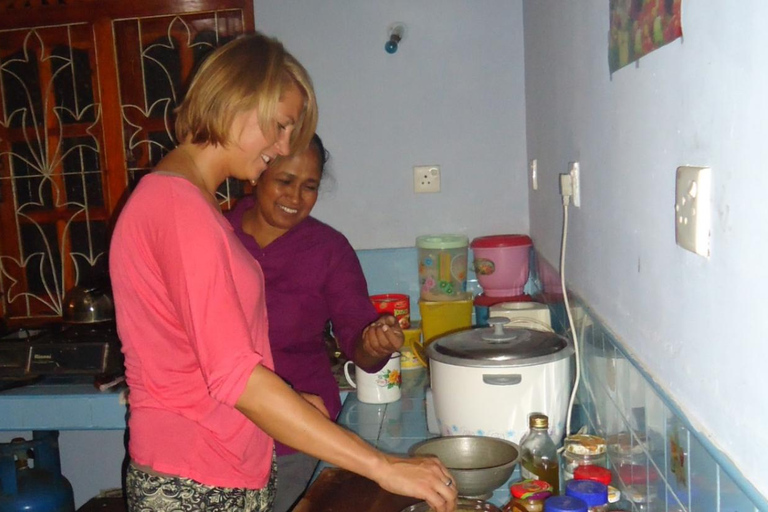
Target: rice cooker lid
x=497, y=346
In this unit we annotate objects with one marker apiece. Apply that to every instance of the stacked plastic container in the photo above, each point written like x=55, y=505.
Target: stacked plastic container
x=444, y=303
x=501, y=263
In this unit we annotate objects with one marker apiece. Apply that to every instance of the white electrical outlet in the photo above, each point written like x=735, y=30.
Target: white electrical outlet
x=574, y=171
x=426, y=178
x=693, y=214
x=534, y=165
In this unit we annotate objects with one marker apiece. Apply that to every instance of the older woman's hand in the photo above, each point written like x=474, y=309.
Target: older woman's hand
x=383, y=337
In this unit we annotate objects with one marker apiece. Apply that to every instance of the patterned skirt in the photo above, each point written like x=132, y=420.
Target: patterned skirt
x=150, y=493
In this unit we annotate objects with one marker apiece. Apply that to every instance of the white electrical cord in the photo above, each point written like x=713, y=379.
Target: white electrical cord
x=567, y=192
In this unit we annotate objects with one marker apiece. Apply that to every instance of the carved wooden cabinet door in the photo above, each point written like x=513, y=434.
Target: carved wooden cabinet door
x=87, y=94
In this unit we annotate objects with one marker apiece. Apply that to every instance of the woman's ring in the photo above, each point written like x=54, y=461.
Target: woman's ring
x=449, y=482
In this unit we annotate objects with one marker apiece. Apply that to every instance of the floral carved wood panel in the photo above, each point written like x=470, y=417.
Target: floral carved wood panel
x=74, y=134
x=52, y=203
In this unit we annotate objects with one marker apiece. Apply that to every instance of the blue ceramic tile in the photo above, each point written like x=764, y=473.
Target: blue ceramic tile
x=703, y=478
x=397, y=445
x=410, y=424
x=732, y=499
x=358, y=413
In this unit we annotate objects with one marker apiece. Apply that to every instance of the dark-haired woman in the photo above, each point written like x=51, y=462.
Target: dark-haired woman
x=312, y=276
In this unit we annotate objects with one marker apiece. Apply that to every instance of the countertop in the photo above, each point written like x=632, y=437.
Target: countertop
x=395, y=427
x=63, y=403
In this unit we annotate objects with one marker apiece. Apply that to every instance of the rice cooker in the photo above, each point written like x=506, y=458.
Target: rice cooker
x=487, y=381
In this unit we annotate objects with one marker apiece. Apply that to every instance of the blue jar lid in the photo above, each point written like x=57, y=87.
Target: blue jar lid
x=565, y=504
x=593, y=493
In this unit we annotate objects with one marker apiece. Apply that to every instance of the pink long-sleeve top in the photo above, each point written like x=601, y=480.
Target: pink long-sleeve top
x=192, y=320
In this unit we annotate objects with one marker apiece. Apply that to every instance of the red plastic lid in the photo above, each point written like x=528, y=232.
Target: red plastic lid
x=531, y=489
x=594, y=473
x=482, y=299
x=637, y=474
x=493, y=241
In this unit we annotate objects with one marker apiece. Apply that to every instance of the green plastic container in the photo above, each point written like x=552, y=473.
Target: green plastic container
x=442, y=267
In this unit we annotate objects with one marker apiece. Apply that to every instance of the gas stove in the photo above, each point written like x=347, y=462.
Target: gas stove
x=64, y=349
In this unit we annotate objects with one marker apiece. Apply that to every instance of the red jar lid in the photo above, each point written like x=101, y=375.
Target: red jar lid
x=494, y=241
x=531, y=489
x=594, y=473
x=482, y=299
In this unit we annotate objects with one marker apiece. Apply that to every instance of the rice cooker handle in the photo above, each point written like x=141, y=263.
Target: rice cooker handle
x=510, y=379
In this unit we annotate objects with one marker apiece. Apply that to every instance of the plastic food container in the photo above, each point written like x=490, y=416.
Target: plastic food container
x=483, y=304
x=594, y=494
x=440, y=318
x=501, y=263
x=442, y=267
x=582, y=450
x=528, y=496
x=395, y=304
x=565, y=504
x=408, y=358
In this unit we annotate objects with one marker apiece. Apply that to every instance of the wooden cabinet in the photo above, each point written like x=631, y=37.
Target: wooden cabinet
x=87, y=94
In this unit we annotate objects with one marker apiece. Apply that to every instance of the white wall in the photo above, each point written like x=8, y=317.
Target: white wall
x=698, y=325
x=452, y=95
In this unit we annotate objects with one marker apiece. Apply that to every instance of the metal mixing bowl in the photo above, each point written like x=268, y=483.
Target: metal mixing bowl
x=478, y=464
x=463, y=505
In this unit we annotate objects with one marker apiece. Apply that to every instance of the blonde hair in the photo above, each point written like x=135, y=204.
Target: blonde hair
x=249, y=72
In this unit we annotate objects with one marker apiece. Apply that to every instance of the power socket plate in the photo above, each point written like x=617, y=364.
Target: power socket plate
x=426, y=179
x=693, y=210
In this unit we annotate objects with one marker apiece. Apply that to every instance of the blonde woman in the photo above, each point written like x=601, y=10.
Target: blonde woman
x=205, y=403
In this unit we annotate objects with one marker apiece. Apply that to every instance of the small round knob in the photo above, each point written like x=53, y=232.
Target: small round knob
x=391, y=46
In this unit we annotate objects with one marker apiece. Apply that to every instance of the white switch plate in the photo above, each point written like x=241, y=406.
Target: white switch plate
x=693, y=210
x=534, y=166
x=426, y=178
x=574, y=169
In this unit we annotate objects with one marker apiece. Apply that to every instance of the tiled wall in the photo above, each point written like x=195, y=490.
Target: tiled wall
x=618, y=400
x=654, y=451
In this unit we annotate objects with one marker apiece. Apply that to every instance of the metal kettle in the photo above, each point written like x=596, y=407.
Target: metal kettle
x=89, y=304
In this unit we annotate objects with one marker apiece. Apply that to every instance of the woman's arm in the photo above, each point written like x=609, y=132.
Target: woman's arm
x=284, y=415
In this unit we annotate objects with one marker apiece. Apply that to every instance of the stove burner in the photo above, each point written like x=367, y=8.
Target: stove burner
x=83, y=349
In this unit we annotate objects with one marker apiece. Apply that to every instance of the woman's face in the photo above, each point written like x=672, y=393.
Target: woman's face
x=251, y=150
x=287, y=191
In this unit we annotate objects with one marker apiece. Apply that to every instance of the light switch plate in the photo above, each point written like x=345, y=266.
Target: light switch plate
x=693, y=210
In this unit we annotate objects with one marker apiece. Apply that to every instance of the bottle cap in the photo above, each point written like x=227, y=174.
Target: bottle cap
x=594, y=494
x=565, y=504
x=538, y=421
x=531, y=489
x=594, y=473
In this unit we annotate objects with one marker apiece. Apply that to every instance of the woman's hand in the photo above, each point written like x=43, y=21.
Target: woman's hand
x=383, y=337
x=317, y=402
x=421, y=477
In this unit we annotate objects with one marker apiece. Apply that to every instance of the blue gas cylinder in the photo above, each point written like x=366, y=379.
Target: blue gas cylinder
x=41, y=488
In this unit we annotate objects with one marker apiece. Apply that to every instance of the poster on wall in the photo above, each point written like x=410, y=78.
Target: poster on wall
x=638, y=27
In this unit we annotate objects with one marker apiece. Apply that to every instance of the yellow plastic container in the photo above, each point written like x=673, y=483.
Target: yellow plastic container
x=408, y=358
x=440, y=318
